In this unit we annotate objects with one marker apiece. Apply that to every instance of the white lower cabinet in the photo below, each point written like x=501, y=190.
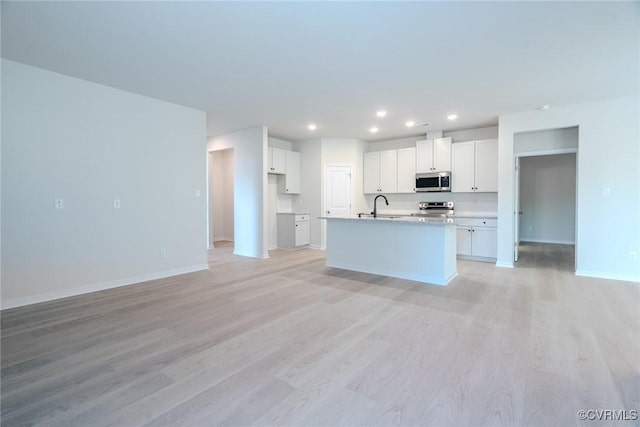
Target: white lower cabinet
x=293, y=230
x=477, y=238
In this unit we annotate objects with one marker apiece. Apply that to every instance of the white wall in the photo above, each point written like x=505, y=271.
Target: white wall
x=65, y=138
x=489, y=132
x=250, y=188
x=608, y=227
x=221, y=195
x=547, y=198
x=545, y=140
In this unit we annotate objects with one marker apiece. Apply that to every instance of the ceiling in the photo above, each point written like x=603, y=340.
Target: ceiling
x=287, y=64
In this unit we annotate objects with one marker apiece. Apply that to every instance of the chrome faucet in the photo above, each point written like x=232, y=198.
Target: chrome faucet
x=375, y=208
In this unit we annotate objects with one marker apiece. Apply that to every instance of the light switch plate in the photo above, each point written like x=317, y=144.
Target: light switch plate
x=116, y=203
x=59, y=203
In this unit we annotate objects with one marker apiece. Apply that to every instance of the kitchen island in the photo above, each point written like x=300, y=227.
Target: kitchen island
x=421, y=249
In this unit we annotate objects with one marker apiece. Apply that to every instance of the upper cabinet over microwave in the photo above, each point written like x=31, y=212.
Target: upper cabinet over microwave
x=433, y=155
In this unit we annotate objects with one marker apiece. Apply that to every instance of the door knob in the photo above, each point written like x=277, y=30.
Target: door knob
x=328, y=212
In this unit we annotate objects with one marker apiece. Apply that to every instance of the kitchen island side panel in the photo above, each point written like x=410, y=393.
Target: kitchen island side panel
x=406, y=250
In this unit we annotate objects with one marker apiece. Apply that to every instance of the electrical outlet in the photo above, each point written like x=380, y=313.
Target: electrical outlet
x=163, y=253
x=633, y=255
x=197, y=193
x=116, y=203
x=59, y=203
x=530, y=228
x=606, y=192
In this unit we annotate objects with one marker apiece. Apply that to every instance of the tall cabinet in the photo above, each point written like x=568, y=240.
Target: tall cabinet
x=474, y=166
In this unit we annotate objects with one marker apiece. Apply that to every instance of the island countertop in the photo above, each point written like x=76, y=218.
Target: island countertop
x=395, y=218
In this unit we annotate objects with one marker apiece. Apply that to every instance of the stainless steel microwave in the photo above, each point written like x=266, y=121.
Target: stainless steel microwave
x=435, y=181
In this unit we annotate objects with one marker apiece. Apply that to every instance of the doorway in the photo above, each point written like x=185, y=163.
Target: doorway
x=337, y=193
x=545, y=220
x=221, y=199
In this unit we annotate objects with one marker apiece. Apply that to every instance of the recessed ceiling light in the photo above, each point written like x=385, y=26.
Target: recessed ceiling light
x=543, y=107
x=452, y=116
x=373, y=129
x=381, y=113
x=311, y=126
x=410, y=124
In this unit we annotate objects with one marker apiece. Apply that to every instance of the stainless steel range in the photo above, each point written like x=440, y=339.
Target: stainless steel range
x=435, y=209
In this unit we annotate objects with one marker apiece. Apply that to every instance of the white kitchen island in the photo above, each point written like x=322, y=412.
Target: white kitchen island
x=421, y=249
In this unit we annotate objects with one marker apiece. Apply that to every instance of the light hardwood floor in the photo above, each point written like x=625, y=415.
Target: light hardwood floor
x=287, y=341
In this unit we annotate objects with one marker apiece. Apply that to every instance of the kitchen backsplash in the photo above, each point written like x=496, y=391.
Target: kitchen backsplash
x=478, y=203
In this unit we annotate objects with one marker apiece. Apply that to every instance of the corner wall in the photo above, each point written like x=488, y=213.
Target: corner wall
x=250, y=188
x=608, y=174
x=66, y=138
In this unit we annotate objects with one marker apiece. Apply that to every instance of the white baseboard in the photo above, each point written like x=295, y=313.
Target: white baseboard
x=317, y=247
x=607, y=275
x=50, y=296
x=503, y=264
x=554, y=242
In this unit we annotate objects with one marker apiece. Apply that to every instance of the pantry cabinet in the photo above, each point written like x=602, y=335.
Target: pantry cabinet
x=433, y=155
x=474, y=166
x=381, y=171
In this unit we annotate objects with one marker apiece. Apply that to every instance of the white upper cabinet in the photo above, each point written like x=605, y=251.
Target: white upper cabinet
x=433, y=155
x=388, y=171
x=371, y=181
x=463, y=167
x=487, y=165
x=474, y=166
x=381, y=171
x=406, y=170
x=292, y=175
x=277, y=160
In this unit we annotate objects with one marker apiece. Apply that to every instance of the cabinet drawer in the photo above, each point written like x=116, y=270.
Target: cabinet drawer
x=302, y=218
x=477, y=222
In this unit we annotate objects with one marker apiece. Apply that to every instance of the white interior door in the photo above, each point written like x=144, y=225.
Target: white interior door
x=337, y=187
x=516, y=211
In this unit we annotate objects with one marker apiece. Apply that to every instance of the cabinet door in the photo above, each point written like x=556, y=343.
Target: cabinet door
x=371, y=181
x=442, y=154
x=486, y=176
x=389, y=171
x=424, y=156
x=407, y=170
x=484, y=242
x=278, y=161
x=463, y=167
x=292, y=177
x=303, y=235
x=463, y=241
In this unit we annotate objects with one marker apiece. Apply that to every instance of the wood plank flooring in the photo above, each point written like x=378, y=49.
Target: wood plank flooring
x=288, y=342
